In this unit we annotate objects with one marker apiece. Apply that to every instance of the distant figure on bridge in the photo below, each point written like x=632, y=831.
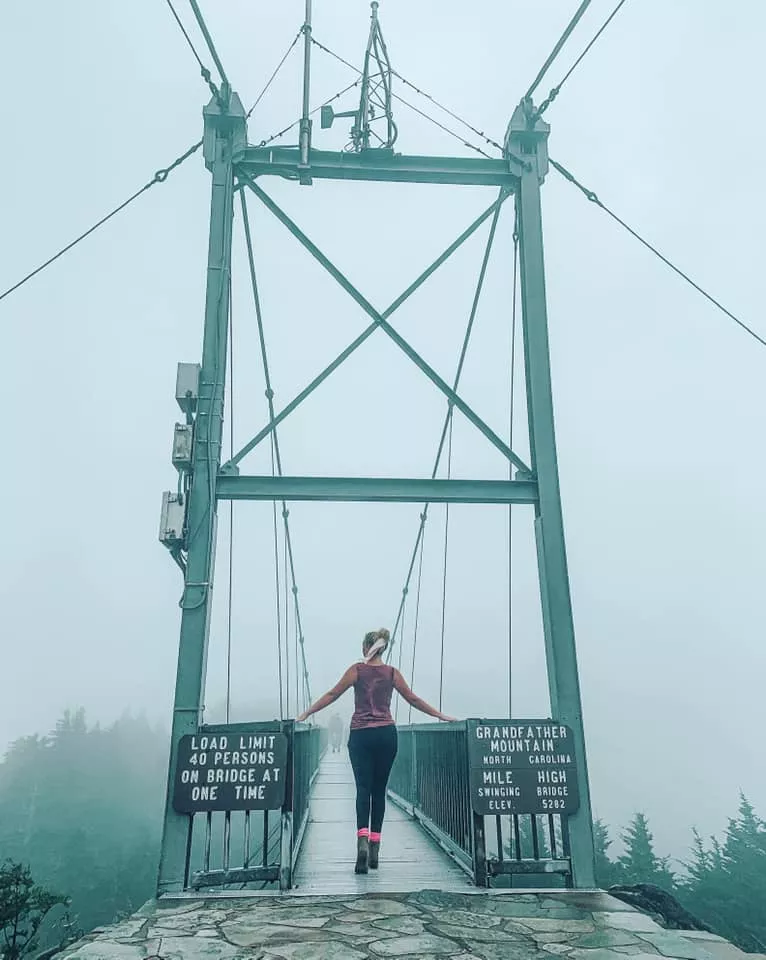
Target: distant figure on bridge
x=372, y=741
x=336, y=732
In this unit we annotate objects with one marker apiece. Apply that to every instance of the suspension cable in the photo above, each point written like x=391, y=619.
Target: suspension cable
x=417, y=621
x=297, y=674
x=444, y=569
x=412, y=107
x=510, y=466
x=271, y=79
x=159, y=177
x=210, y=45
x=205, y=71
x=289, y=558
x=557, y=49
x=399, y=664
x=231, y=509
x=278, y=590
x=423, y=93
x=287, y=613
x=455, y=385
x=557, y=89
x=296, y=122
x=590, y=195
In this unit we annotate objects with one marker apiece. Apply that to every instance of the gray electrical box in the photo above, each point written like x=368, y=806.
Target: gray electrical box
x=183, y=438
x=187, y=386
x=172, y=520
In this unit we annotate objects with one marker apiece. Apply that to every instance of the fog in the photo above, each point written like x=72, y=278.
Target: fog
x=658, y=396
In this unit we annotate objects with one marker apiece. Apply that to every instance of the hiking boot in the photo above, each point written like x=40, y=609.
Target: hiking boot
x=374, y=850
x=362, y=853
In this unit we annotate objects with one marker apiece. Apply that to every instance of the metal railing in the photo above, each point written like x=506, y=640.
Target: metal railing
x=308, y=746
x=240, y=848
x=430, y=780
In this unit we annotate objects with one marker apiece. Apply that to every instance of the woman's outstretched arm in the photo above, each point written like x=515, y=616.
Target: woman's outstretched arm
x=347, y=680
x=400, y=685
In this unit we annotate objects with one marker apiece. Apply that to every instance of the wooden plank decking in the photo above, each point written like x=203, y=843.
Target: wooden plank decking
x=409, y=859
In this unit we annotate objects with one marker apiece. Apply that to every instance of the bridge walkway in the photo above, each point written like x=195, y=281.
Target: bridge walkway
x=409, y=859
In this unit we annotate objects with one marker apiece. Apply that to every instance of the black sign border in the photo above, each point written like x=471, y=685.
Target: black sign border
x=277, y=791
x=478, y=804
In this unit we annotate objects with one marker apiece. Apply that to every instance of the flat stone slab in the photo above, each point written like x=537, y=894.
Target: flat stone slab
x=414, y=925
x=671, y=944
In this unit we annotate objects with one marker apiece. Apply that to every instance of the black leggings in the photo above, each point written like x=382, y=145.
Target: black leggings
x=372, y=751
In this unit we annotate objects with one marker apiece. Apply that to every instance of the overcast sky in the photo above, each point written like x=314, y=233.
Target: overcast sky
x=659, y=398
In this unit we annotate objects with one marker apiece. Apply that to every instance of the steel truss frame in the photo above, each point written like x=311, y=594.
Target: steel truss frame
x=234, y=165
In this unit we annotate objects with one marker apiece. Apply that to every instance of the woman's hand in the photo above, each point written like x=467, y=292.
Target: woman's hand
x=446, y=719
x=302, y=718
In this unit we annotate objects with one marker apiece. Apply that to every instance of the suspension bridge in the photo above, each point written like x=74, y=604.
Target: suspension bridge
x=262, y=805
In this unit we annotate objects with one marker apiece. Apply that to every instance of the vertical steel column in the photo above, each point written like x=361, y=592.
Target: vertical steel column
x=529, y=143
x=224, y=139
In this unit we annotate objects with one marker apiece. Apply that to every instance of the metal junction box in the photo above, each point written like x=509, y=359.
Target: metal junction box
x=187, y=386
x=183, y=438
x=172, y=520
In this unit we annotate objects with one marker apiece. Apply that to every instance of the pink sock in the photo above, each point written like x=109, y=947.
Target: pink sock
x=364, y=832
x=374, y=837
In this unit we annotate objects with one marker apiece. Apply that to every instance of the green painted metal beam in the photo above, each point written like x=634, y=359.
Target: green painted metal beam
x=558, y=622
x=382, y=166
x=221, y=134
x=375, y=489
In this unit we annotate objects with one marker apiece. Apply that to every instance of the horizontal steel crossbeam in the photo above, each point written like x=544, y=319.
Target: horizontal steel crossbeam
x=221, y=878
x=496, y=868
x=375, y=489
x=381, y=165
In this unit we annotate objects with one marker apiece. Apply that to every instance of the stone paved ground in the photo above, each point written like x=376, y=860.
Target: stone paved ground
x=416, y=926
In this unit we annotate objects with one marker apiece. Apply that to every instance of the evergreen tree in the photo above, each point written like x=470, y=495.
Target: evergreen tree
x=23, y=905
x=639, y=863
x=84, y=808
x=608, y=872
x=726, y=882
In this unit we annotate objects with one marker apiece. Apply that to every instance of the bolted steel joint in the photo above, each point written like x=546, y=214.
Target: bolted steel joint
x=227, y=121
x=526, y=139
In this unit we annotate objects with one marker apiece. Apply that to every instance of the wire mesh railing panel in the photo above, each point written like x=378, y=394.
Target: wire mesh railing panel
x=431, y=776
x=402, y=779
x=308, y=745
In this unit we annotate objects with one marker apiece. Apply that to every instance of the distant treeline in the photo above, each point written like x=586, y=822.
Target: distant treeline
x=83, y=808
x=724, y=884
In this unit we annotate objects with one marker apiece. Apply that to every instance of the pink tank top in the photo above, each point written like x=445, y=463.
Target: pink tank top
x=372, y=696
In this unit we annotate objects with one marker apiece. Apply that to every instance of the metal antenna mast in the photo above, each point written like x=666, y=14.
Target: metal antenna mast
x=375, y=100
x=305, y=125
x=189, y=517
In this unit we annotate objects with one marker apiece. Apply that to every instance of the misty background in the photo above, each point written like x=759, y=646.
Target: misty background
x=658, y=396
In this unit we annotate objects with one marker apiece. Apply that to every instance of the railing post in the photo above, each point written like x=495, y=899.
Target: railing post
x=479, y=851
x=286, y=820
x=286, y=851
x=415, y=798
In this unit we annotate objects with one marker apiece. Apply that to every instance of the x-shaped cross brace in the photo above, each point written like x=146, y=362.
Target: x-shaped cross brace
x=378, y=320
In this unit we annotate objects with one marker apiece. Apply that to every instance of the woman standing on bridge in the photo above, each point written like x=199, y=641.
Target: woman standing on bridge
x=372, y=741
